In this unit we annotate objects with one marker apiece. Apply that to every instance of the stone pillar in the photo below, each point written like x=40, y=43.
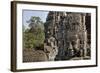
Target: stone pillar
x=85, y=36
x=85, y=43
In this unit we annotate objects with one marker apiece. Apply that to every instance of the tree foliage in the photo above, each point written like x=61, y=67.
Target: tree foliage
x=34, y=35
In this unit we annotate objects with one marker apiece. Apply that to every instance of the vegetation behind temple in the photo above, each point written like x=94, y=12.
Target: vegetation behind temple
x=34, y=35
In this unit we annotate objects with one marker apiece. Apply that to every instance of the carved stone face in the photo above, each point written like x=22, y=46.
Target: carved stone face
x=73, y=42
x=51, y=49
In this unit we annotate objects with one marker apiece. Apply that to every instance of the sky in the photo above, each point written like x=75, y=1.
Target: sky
x=28, y=13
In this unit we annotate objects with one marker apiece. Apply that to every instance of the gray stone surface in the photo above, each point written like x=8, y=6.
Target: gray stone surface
x=69, y=31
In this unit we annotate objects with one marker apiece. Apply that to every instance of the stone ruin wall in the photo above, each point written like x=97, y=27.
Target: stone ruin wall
x=69, y=31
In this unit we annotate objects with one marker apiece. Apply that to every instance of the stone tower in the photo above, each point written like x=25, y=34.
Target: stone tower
x=69, y=30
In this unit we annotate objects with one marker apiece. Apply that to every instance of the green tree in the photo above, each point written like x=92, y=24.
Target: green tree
x=35, y=23
x=34, y=35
